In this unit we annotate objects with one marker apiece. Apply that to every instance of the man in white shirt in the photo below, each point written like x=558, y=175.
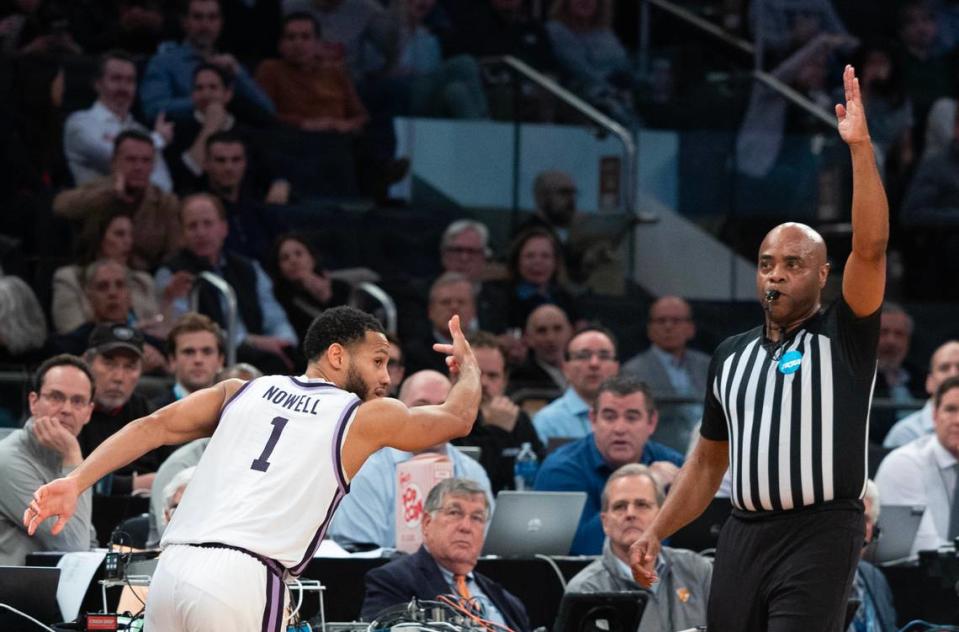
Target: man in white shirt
x=88, y=135
x=924, y=472
x=943, y=364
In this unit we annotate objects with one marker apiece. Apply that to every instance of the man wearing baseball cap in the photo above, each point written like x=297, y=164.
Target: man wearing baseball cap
x=115, y=355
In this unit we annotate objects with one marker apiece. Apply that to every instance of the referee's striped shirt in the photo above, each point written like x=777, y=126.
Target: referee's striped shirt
x=796, y=412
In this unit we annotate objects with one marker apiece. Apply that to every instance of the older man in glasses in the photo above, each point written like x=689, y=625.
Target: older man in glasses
x=46, y=448
x=454, y=526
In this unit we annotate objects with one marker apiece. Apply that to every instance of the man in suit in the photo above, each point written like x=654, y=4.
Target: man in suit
x=671, y=369
x=454, y=524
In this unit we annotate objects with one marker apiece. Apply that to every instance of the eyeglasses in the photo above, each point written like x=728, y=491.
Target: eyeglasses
x=455, y=514
x=59, y=399
x=586, y=355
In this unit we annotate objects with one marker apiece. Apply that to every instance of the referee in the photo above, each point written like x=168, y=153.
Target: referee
x=787, y=407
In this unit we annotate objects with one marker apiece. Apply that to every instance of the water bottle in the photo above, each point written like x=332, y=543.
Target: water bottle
x=524, y=469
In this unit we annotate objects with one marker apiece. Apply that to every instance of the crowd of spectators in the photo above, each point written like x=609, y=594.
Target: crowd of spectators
x=167, y=185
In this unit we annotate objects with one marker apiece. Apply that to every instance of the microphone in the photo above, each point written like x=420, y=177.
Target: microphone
x=772, y=295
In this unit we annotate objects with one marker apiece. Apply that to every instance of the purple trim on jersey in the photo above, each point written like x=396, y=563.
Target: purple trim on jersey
x=232, y=399
x=312, y=384
x=343, y=490
x=315, y=542
x=273, y=611
x=338, y=441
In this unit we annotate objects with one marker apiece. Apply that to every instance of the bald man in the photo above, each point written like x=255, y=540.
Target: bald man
x=786, y=409
x=943, y=364
x=367, y=513
x=547, y=331
x=671, y=369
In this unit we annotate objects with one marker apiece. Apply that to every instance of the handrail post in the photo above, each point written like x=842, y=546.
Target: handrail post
x=590, y=113
x=384, y=299
x=224, y=288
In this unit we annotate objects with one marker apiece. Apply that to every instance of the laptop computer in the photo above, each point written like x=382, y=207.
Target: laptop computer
x=703, y=532
x=601, y=612
x=528, y=523
x=899, y=524
x=33, y=591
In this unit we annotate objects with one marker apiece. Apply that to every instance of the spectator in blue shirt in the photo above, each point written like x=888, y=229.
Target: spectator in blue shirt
x=589, y=359
x=622, y=418
x=168, y=81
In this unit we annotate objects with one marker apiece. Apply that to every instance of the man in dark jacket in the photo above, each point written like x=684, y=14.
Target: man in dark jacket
x=454, y=523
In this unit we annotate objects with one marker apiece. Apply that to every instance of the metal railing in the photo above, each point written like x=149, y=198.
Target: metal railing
x=745, y=46
x=380, y=296
x=608, y=125
x=224, y=288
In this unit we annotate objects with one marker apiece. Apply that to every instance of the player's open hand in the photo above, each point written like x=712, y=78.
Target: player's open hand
x=642, y=559
x=459, y=354
x=852, y=115
x=58, y=498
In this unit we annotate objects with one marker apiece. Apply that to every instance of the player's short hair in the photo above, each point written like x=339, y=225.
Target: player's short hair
x=622, y=385
x=453, y=487
x=64, y=359
x=342, y=325
x=632, y=469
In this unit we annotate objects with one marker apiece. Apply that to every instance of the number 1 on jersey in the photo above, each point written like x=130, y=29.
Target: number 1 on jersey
x=260, y=464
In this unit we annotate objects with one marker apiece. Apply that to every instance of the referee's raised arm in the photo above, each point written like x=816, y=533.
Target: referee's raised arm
x=864, y=279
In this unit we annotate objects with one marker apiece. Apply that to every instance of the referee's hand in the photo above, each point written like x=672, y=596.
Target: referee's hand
x=642, y=559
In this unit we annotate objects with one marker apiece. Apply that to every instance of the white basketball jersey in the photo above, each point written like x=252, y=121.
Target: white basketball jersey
x=271, y=477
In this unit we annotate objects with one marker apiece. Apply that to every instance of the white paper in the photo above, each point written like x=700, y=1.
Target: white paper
x=76, y=573
x=329, y=548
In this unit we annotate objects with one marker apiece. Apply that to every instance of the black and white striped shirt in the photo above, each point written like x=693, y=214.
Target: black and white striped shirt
x=795, y=413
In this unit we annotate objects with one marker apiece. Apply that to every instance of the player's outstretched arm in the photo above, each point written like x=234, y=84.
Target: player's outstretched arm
x=864, y=279
x=389, y=423
x=190, y=418
x=690, y=494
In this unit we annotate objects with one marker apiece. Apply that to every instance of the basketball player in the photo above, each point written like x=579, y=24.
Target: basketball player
x=280, y=459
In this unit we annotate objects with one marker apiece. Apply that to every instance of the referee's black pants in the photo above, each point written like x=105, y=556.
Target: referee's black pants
x=790, y=572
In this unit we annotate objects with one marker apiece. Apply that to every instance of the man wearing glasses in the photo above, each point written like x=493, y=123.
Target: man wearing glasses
x=454, y=527
x=631, y=499
x=45, y=449
x=622, y=418
x=590, y=358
